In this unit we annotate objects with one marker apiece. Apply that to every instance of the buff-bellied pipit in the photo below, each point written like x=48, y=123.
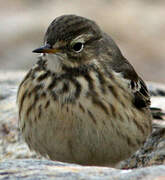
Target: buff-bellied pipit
x=83, y=102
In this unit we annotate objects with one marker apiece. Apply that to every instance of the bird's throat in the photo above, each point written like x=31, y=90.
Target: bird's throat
x=54, y=63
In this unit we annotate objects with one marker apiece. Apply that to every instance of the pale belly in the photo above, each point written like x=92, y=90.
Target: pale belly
x=84, y=133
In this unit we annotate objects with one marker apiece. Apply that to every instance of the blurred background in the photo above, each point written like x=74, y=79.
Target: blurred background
x=137, y=26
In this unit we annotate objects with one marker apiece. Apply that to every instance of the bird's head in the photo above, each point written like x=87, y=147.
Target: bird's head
x=71, y=40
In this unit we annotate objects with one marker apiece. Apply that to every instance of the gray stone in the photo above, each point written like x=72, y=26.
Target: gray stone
x=33, y=169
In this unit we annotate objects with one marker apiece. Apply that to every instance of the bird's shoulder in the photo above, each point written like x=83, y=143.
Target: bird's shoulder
x=141, y=96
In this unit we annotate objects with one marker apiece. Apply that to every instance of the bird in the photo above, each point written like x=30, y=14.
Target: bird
x=83, y=102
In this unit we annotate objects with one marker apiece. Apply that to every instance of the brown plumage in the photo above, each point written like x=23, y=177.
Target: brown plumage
x=83, y=102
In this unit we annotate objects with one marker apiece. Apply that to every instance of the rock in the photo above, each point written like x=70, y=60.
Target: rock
x=43, y=169
x=11, y=144
x=152, y=153
x=13, y=150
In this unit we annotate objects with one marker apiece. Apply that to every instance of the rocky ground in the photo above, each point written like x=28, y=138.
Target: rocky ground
x=33, y=169
x=17, y=161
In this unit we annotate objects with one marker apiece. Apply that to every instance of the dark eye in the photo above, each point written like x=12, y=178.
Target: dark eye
x=78, y=47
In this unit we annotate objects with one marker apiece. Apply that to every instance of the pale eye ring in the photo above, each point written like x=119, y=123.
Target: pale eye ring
x=78, y=47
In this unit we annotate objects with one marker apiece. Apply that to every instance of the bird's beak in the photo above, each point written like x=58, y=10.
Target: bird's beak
x=46, y=49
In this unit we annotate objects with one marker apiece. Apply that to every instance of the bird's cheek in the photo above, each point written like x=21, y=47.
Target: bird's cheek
x=88, y=55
